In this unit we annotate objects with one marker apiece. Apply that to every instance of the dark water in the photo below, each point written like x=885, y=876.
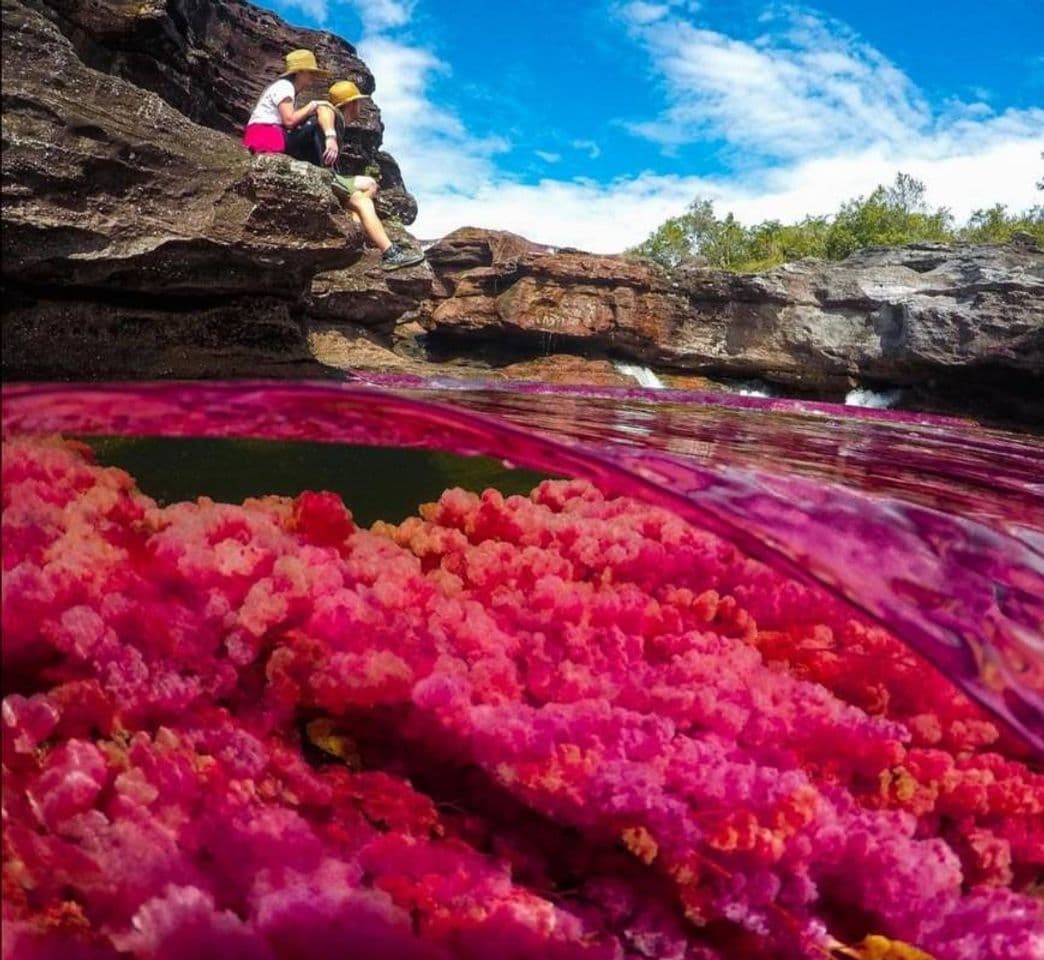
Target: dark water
x=378, y=483
x=932, y=527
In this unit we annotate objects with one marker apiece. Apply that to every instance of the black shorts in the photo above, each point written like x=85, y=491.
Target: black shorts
x=307, y=142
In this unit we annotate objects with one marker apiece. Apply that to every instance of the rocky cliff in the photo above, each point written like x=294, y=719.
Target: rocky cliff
x=885, y=315
x=140, y=240
x=962, y=327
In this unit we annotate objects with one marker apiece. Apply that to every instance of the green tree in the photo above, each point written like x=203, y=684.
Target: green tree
x=681, y=238
x=725, y=244
x=772, y=242
x=722, y=242
x=996, y=225
x=888, y=217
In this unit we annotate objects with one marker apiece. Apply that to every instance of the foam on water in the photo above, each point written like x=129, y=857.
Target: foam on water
x=876, y=399
x=643, y=376
x=750, y=388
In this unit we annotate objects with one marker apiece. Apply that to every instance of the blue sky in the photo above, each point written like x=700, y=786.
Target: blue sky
x=588, y=124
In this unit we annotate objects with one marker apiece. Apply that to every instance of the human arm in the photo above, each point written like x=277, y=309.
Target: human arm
x=328, y=124
x=291, y=117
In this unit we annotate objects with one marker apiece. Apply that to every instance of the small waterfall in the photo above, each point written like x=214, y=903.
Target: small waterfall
x=643, y=375
x=876, y=399
x=749, y=388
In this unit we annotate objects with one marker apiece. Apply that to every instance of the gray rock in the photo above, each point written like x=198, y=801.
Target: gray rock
x=888, y=316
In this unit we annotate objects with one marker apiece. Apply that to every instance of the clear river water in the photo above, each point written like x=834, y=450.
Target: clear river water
x=933, y=527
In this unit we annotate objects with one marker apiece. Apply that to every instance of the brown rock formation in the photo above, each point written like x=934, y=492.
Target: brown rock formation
x=358, y=351
x=566, y=369
x=889, y=316
x=366, y=295
x=78, y=340
x=210, y=59
x=139, y=238
x=207, y=60
x=961, y=327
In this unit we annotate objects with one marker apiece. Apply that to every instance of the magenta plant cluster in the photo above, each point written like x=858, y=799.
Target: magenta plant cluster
x=553, y=726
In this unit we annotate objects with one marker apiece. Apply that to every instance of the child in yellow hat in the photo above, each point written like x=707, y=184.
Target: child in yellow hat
x=321, y=140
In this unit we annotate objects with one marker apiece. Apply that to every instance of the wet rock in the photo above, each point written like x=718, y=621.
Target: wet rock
x=63, y=340
x=359, y=352
x=355, y=350
x=567, y=369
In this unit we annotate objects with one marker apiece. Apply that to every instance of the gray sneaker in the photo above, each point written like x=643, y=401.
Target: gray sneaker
x=396, y=257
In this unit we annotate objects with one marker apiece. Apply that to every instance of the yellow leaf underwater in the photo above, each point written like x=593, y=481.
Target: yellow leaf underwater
x=324, y=735
x=876, y=947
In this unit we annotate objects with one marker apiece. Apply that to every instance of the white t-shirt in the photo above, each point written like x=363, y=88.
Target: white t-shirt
x=267, y=109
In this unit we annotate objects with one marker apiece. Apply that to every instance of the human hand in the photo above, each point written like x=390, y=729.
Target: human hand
x=330, y=153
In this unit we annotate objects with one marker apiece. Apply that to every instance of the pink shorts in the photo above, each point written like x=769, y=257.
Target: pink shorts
x=264, y=138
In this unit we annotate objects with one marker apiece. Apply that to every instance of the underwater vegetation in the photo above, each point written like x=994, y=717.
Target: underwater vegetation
x=562, y=725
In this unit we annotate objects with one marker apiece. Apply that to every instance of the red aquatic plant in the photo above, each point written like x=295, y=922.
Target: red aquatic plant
x=548, y=726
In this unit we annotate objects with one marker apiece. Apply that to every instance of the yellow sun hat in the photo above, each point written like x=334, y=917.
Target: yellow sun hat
x=302, y=61
x=344, y=91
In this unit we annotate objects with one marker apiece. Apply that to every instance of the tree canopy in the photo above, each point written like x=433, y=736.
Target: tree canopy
x=889, y=216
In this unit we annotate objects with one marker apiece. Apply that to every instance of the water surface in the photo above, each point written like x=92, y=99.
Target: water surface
x=933, y=527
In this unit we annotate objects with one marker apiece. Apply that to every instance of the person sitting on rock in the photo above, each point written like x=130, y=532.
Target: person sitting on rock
x=275, y=119
x=320, y=140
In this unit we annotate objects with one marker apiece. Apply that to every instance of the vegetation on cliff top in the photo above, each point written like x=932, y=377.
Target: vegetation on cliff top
x=889, y=216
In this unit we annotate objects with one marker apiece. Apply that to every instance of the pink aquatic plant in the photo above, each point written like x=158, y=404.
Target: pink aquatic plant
x=549, y=726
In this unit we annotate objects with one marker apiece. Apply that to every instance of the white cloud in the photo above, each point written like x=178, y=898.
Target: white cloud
x=808, y=88
x=589, y=147
x=641, y=12
x=828, y=116
x=380, y=15
x=547, y=156
x=435, y=150
x=317, y=10
x=608, y=218
x=375, y=15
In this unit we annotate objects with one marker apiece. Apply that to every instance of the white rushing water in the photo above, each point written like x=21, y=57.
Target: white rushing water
x=750, y=388
x=642, y=375
x=877, y=399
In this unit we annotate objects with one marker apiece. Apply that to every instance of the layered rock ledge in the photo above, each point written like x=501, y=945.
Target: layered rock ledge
x=139, y=238
x=885, y=315
x=961, y=324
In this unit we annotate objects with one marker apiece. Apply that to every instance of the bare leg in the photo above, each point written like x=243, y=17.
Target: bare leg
x=368, y=186
x=361, y=205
